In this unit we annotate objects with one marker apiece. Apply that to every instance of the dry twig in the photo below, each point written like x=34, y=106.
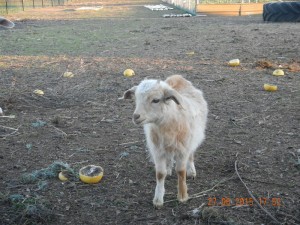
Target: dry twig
x=132, y=142
x=203, y=193
x=252, y=196
x=10, y=116
x=57, y=129
x=10, y=128
x=15, y=130
x=174, y=200
x=81, y=162
x=200, y=194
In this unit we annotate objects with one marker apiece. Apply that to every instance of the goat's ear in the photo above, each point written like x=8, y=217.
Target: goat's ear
x=171, y=94
x=129, y=94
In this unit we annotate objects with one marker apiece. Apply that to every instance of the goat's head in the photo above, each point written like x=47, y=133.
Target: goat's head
x=153, y=99
x=6, y=23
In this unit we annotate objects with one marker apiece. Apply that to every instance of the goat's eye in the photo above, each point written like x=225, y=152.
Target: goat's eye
x=155, y=100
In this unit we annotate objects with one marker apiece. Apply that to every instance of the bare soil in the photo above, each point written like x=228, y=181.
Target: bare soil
x=80, y=121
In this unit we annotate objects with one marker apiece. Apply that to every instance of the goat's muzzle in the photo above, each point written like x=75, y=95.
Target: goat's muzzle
x=137, y=118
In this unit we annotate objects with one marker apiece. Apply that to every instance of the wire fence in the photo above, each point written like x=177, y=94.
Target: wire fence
x=236, y=1
x=187, y=5
x=191, y=5
x=222, y=7
x=9, y=6
x=226, y=1
x=232, y=7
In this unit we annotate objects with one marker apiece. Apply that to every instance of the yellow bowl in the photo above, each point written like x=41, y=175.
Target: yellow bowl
x=91, y=174
x=64, y=175
x=38, y=92
x=129, y=73
x=234, y=62
x=278, y=72
x=68, y=74
x=268, y=87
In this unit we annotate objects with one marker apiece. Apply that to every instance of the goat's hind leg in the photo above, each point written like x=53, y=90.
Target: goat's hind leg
x=161, y=173
x=170, y=163
x=191, y=170
x=182, y=195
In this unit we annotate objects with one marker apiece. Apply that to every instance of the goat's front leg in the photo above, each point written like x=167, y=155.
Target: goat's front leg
x=181, y=174
x=161, y=173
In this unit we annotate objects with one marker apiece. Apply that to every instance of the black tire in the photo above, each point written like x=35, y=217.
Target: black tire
x=6, y=23
x=282, y=12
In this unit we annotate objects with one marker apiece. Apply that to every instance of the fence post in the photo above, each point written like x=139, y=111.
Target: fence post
x=6, y=6
x=23, y=5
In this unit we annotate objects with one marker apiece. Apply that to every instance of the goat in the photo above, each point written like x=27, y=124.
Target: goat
x=174, y=115
x=6, y=23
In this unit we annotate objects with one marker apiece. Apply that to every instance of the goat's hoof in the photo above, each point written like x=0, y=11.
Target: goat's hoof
x=192, y=174
x=183, y=198
x=158, y=203
x=158, y=206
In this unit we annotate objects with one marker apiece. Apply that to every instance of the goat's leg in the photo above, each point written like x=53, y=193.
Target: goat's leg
x=191, y=170
x=181, y=174
x=161, y=173
x=170, y=163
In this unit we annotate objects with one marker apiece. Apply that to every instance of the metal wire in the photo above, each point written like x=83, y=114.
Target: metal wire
x=10, y=6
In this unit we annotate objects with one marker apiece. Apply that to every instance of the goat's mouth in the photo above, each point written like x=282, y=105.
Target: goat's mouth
x=138, y=122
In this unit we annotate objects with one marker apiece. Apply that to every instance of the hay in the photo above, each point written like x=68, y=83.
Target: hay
x=46, y=173
x=16, y=197
x=28, y=209
x=210, y=215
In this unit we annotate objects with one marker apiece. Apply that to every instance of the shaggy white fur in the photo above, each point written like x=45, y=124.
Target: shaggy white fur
x=174, y=115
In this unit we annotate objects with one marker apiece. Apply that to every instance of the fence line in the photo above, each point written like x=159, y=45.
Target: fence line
x=235, y=1
x=9, y=6
x=193, y=6
x=187, y=5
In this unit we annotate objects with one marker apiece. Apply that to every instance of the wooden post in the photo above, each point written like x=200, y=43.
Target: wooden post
x=6, y=7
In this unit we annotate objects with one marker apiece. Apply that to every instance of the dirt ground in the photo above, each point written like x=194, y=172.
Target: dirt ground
x=80, y=121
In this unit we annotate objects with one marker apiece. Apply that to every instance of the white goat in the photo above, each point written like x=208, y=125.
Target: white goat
x=174, y=114
x=6, y=23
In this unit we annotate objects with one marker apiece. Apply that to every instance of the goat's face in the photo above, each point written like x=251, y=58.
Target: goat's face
x=152, y=100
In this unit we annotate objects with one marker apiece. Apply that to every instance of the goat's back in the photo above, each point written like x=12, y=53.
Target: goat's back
x=178, y=83
x=195, y=109
x=194, y=99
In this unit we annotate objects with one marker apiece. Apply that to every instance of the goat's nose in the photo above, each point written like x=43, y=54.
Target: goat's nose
x=136, y=116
